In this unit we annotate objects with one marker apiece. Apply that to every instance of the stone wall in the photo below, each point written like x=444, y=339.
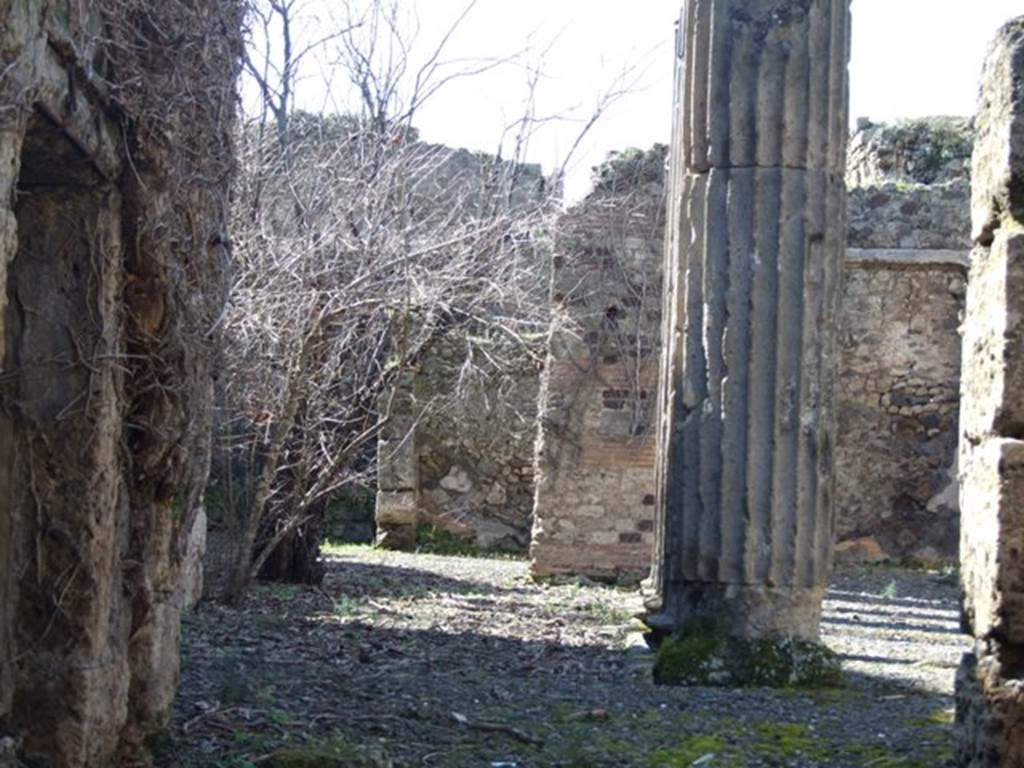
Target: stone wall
x=990, y=683
x=900, y=348
x=456, y=449
x=593, y=511
x=899, y=362
x=112, y=264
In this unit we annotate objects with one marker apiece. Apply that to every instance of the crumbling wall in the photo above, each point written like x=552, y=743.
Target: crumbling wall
x=990, y=683
x=457, y=451
x=114, y=136
x=456, y=446
x=594, y=498
x=899, y=346
x=476, y=456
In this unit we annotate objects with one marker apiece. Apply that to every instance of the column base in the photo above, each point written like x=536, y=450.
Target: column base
x=745, y=610
x=740, y=635
x=704, y=653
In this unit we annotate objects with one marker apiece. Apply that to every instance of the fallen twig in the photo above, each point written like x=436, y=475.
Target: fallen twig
x=509, y=730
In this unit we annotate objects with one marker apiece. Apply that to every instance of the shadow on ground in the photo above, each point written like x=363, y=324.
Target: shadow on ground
x=461, y=662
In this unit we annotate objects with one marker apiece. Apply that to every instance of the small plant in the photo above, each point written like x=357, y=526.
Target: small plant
x=233, y=686
x=346, y=607
x=434, y=540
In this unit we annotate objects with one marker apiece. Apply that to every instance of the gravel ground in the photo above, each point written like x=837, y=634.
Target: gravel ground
x=423, y=660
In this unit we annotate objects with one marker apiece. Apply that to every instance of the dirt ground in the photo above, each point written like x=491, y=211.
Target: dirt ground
x=424, y=660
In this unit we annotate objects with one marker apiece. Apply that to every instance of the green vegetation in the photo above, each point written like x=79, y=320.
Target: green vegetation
x=948, y=143
x=437, y=541
x=939, y=718
x=705, y=654
x=336, y=548
x=689, y=751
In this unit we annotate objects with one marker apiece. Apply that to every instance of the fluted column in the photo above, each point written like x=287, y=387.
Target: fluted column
x=757, y=210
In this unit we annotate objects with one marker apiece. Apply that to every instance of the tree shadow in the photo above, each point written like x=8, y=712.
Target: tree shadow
x=346, y=663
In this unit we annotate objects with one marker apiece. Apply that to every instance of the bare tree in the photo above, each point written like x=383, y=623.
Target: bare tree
x=356, y=246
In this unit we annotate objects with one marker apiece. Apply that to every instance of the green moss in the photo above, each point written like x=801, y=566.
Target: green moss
x=689, y=751
x=705, y=654
x=783, y=740
x=883, y=756
x=689, y=657
x=939, y=718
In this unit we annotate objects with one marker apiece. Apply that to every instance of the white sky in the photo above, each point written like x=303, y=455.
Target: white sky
x=910, y=58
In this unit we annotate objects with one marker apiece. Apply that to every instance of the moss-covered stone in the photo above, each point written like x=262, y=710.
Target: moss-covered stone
x=704, y=653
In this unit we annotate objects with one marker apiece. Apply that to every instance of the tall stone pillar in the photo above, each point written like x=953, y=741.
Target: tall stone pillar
x=990, y=684
x=757, y=215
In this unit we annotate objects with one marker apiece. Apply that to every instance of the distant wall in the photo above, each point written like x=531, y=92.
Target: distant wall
x=475, y=455
x=456, y=449
x=909, y=229
x=899, y=364
x=594, y=504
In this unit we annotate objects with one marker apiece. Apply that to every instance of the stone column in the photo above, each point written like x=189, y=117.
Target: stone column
x=757, y=213
x=990, y=684
x=397, y=510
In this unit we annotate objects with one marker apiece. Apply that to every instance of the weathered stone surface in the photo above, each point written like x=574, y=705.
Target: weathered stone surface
x=395, y=514
x=468, y=415
x=111, y=282
x=993, y=347
x=757, y=213
x=915, y=217
x=897, y=399
x=997, y=193
x=989, y=723
x=396, y=508
x=863, y=550
x=926, y=151
x=992, y=539
x=593, y=508
x=899, y=366
x=990, y=686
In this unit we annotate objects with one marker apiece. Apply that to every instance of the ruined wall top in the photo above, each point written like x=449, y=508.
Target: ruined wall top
x=631, y=170
x=928, y=150
x=909, y=187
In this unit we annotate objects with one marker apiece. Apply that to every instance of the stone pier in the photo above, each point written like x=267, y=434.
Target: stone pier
x=757, y=209
x=990, y=684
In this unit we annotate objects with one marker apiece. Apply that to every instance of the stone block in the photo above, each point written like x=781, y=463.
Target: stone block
x=397, y=468
x=993, y=347
x=992, y=538
x=863, y=550
x=989, y=723
x=396, y=508
x=998, y=165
